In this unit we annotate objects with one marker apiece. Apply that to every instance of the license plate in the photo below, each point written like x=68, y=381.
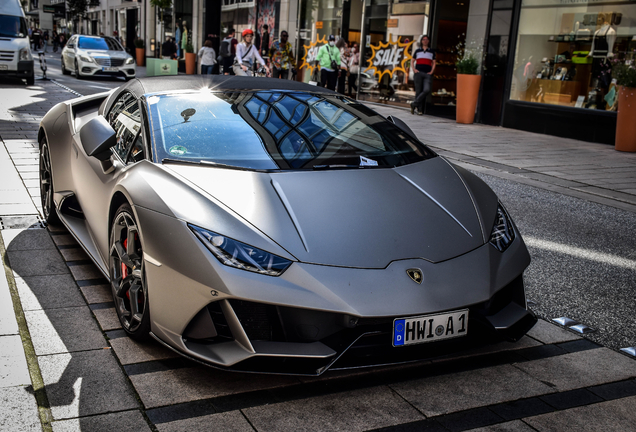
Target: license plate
x=109, y=69
x=430, y=328
x=4, y=67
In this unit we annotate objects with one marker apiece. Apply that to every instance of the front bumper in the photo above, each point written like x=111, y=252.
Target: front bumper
x=23, y=69
x=92, y=69
x=313, y=318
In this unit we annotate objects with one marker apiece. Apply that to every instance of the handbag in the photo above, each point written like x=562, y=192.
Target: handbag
x=334, y=65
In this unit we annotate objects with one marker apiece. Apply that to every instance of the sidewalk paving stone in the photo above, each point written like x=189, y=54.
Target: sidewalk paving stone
x=85, y=383
x=45, y=262
x=513, y=426
x=107, y=318
x=357, y=410
x=125, y=421
x=549, y=333
x=228, y=421
x=8, y=324
x=64, y=330
x=13, y=367
x=465, y=390
x=85, y=272
x=74, y=254
x=129, y=351
x=97, y=293
x=48, y=292
x=19, y=410
x=581, y=369
x=25, y=239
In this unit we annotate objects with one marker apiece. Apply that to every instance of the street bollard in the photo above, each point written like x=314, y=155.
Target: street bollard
x=43, y=65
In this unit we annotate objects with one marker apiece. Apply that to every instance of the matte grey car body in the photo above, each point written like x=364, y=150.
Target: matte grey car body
x=361, y=249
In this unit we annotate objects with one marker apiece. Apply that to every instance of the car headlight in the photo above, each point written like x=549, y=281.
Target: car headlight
x=25, y=54
x=502, y=232
x=130, y=60
x=86, y=59
x=240, y=255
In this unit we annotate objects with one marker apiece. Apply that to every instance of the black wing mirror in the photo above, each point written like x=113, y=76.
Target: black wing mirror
x=97, y=138
x=399, y=123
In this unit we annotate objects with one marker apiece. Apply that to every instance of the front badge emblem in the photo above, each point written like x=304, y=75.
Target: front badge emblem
x=415, y=274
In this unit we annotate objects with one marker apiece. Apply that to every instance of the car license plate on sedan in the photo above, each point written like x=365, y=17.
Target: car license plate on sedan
x=109, y=69
x=430, y=328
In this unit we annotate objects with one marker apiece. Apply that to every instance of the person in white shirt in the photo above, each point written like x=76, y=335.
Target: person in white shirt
x=207, y=58
x=246, y=55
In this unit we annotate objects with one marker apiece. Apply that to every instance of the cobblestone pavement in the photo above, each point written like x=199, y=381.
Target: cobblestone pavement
x=66, y=365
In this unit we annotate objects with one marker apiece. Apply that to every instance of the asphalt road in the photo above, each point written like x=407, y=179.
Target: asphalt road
x=583, y=253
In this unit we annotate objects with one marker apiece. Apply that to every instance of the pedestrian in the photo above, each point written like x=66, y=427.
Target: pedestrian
x=247, y=55
x=36, y=39
x=62, y=40
x=207, y=57
x=282, y=57
x=329, y=59
x=55, y=38
x=168, y=49
x=227, y=51
x=45, y=38
x=343, y=71
x=423, y=65
x=264, y=42
x=354, y=69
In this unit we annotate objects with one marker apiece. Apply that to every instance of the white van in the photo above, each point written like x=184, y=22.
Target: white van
x=15, y=50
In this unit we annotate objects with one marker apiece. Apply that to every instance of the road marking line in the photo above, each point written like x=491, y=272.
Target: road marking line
x=100, y=87
x=581, y=253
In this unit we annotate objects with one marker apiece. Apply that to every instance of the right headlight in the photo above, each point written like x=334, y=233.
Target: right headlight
x=502, y=233
x=25, y=54
x=239, y=255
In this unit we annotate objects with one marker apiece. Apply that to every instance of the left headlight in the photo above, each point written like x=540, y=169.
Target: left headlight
x=86, y=59
x=502, y=232
x=240, y=255
x=25, y=54
x=130, y=60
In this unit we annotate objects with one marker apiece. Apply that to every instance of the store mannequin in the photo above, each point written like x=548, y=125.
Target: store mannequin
x=603, y=42
x=184, y=36
x=177, y=40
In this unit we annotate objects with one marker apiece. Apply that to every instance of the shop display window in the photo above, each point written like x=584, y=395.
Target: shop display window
x=565, y=51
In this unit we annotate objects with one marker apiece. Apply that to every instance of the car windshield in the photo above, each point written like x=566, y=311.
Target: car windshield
x=90, y=43
x=13, y=26
x=276, y=130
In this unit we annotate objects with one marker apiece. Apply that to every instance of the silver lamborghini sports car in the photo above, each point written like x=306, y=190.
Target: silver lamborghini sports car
x=272, y=226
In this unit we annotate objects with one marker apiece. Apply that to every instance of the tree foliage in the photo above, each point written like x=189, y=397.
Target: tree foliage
x=76, y=8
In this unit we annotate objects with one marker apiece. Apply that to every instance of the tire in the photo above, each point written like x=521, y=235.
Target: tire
x=30, y=80
x=128, y=276
x=46, y=185
x=77, y=71
x=64, y=70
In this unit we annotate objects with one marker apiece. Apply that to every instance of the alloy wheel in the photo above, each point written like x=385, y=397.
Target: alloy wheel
x=46, y=185
x=127, y=275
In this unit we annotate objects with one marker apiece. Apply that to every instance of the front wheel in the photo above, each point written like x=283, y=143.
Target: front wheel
x=127, y=275
x=64, y=70
x=77, y=71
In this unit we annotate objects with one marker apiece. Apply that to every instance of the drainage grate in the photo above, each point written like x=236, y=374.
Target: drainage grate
x=21, y=222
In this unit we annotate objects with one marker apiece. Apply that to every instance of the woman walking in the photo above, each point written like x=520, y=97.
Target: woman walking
x=207, y=58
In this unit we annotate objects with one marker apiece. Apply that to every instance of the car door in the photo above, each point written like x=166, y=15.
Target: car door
x=69, y=53
x=94, y=183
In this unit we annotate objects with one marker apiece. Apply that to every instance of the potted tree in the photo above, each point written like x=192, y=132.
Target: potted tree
x=140, y=51
x=190, y=59
x=625, y=75
x=468, y=82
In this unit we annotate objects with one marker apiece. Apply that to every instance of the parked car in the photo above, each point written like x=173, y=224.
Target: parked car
x=16, y=59
x=97, y=55
x=273, y=226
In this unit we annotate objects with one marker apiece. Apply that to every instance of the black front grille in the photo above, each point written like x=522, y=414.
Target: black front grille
x=220, y=324
x=109, y=62
x=260, y=321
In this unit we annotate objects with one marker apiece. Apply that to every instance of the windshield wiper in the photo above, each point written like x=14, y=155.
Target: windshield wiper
x=212, y=164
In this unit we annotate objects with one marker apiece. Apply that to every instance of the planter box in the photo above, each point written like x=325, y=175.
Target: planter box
x=159, y=67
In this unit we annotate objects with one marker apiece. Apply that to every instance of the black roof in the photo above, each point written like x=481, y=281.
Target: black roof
x=141, y=86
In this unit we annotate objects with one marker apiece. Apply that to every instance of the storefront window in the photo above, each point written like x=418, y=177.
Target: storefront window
x=565, y=50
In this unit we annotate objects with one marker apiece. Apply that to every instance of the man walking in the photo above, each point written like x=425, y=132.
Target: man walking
x=282, y=57
x=423, y=65
x=227, y=51
x=329, y=61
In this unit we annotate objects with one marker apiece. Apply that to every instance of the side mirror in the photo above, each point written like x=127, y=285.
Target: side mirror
x=70, y=45
x=399, y=123
x=97, y=138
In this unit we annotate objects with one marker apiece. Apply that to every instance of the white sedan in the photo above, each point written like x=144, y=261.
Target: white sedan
x=97, y=55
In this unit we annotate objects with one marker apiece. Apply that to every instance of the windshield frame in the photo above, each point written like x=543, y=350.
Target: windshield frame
x=269, y=143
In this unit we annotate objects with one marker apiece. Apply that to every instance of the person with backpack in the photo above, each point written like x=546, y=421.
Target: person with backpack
x=246, y=55
x=329, y=59
x=227, y=52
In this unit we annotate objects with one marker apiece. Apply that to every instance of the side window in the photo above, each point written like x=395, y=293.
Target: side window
x=124, y=117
